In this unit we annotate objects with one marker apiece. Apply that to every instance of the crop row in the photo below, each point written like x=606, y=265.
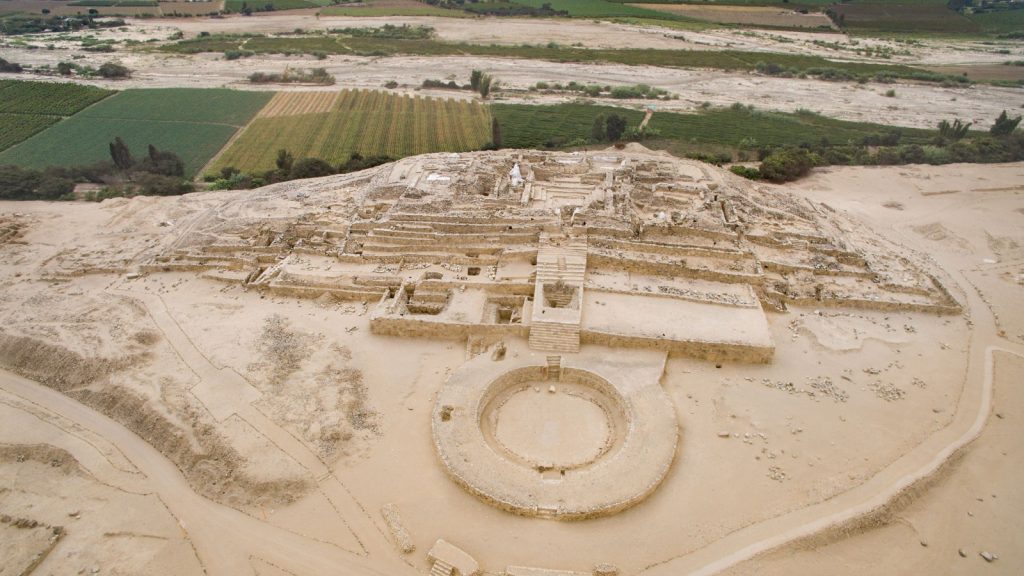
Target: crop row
x=368, y=122
x=527, y=126
x=51, y=98
x=195, y=124
x=17, y=127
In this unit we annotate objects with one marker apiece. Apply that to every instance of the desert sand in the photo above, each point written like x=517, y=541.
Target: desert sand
x=259, y=382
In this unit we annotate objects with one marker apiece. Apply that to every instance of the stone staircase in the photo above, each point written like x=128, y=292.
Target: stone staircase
x=555, y=327
x=554, y=369
x=555, y=337
x=441, y=568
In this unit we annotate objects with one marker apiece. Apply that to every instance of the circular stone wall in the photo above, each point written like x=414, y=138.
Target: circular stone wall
x=576, y=447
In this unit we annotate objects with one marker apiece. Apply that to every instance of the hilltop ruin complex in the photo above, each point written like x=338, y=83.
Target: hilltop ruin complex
x=626, y=249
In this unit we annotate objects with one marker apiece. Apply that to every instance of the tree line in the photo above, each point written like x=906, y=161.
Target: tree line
x=158, y=173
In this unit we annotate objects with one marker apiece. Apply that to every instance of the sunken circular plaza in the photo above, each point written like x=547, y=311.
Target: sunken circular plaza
x=569, y=439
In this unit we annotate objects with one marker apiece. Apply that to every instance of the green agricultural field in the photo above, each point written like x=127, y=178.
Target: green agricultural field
x=51, y=98
x=27, y=108
x=525, y=126
x=114, y=3
x=368, y=122
x=1006, y=22
x=193, y=123
x=904, y=17
x=17, y=127
x=372, y=9
x=598, y=9
x=260, y=5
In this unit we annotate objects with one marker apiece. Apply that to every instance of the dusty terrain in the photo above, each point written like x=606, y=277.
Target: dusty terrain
x=280, y=422
x=915, y=105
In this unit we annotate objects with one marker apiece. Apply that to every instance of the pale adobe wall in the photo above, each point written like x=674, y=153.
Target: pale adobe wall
x=412, y=327
x=711, y=351
x=619, y=262
x=669, y=249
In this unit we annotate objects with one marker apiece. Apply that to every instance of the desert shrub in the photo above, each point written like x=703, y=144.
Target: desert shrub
x=1004, y=125
x=236, y=54
x=150, y=184
x=114, y=70
x=746, y=172
x=787, y=164
x=6, y=66
x=310, y=168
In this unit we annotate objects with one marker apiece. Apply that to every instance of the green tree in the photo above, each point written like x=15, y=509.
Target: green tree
x=284, y=160
x=17, y=183
x=787, y=165
x=495, y=132
x=310, y=168
x=121, y=155
x=474, y=79
x=487, y=85
x=1004, y=125
x=53, y=187
x=162, y=162
x=597, y=133
x=615, y=126
x=954, y=131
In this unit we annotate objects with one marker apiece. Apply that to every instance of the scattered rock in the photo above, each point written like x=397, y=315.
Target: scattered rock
x=988, y=556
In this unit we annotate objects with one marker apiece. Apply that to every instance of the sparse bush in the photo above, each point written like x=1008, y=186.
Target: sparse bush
x=1004, y=125
x=113, y=70
x=746, y=172
x=787, y=165
x=6, y=66
x=236, y=54
x=310, y=168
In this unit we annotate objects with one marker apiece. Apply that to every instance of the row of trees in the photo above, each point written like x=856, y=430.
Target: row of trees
x=288, y=168
x=952, y=143
x=109, y=70
x=159, y=173
x=479, y=81
x=17, y=24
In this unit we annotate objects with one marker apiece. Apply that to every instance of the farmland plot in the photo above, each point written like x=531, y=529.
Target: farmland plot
x=333, y=125
x=525, y=126
x=51, y=98
x=195, y=124
x=27, y=108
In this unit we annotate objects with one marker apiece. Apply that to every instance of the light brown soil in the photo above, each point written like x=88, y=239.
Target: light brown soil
x=851, y=397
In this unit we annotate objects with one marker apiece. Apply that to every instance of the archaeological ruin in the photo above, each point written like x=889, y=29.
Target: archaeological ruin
x=544, y=252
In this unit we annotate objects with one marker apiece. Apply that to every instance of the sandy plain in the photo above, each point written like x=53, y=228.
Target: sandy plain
x=265, y=434
x=169, y=423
